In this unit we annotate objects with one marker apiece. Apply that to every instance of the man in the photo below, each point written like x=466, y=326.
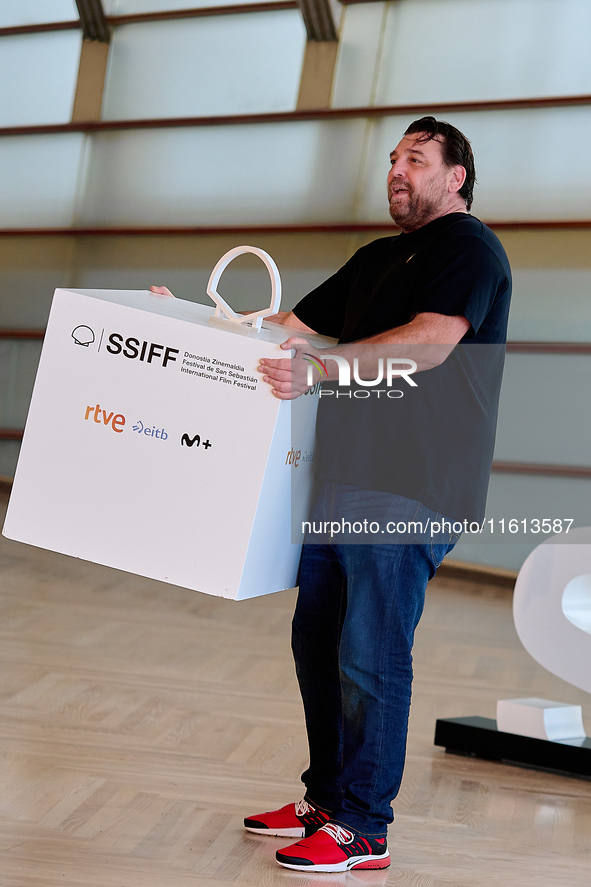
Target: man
x=420, y=458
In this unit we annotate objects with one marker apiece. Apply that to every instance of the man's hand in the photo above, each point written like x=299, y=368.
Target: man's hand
x=162, y=291
x=289, y=377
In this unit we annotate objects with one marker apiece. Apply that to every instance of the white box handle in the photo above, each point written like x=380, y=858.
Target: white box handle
x=222, y=307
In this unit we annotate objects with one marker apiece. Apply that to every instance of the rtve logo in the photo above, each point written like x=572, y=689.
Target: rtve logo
x=294, y=456
x=101, y=418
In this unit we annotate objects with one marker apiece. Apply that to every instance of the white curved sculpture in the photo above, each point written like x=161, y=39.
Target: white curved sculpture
x=222, y=307
x=552, y=606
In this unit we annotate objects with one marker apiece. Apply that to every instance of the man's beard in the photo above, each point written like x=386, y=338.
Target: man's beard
x=416, y=211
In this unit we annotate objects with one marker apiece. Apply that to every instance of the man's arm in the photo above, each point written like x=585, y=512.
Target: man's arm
x=288, y=318
x=427, y=328
x=427, y=340
x=440, y=333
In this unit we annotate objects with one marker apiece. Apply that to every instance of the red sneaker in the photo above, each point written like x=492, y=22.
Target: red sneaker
x=334, y=848
x=292, y=821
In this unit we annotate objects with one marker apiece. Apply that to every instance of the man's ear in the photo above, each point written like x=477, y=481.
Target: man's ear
x=457, y=179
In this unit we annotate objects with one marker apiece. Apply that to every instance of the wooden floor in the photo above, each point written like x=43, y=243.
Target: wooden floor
x=139, y=723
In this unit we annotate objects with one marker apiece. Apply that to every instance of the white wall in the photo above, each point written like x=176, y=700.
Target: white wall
x=33, y=12
x=38, y=77
x=239, y=64
x=421, y=51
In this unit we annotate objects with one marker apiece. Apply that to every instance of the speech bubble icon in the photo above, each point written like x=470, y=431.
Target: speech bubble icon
x=83, y=335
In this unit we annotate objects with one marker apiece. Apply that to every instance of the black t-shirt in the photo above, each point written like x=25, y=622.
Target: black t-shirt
x=434, y=443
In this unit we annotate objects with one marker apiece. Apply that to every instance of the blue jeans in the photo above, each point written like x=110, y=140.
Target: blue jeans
x=353, y=630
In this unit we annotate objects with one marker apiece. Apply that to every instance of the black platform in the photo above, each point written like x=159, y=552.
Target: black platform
x=479, y=737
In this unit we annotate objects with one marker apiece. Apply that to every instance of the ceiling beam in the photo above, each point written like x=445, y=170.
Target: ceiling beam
x=93, y=21
x=318, y=20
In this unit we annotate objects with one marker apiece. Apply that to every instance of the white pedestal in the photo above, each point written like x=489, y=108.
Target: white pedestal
x=540, y=719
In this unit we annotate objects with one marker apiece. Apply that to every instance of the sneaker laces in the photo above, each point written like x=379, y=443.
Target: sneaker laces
x=302, y=807
x=341, y=835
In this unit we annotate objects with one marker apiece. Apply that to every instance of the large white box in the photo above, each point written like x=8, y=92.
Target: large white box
x=152, y=445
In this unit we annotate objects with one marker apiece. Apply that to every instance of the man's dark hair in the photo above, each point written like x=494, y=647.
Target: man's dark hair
x=455, y=150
